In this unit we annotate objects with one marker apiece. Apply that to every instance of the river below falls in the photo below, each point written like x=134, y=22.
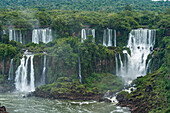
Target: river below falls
x=15, y=103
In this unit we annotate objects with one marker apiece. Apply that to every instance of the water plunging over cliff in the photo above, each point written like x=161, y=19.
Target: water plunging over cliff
x=24, y=80
x=80, y=78
x=115, y=38
x=43, y=35
x=141, y=43
x=86, y=32
x=44, y=71
x=10, y=77
x=107, y=37
x=15, y=35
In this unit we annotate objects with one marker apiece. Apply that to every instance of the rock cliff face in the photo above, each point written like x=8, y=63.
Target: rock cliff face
x=4, y=66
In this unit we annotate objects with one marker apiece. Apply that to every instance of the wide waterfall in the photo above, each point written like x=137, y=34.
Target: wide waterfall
x=80, y=78
x=24, y=80
x=15, y=35
x=43, y=35
x=86, y=32
x=10, y=77
x=107, y=37
x=140, y=43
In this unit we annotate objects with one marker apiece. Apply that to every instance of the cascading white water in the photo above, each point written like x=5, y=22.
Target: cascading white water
x=86, y=32
x=83, y=35
x=115, y=38
x=43, y=35
x=4, y=32
x=107, y=37
x=10, y=77
x=32, y=85
x=141, y=42
x=148, y=66
x=44, y=71
x=21, y=80
x=104, y=38
x=80, y=78
x=20, y=37
x=15, y=35
x=10, y=34
x=93, y=33
x=121, y=64
x=117, y=68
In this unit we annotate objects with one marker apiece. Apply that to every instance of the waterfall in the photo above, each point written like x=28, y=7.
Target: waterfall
x=104, y=38
x=21, y=80
x=86, y=32
x=20, y=37
x=140, y=43
x=44, y=71
x=80, y=78
x=107, y=37
x=148, y=66
x=15, y=35
x=115, y=38
x=32, y=86
x=10, y=77
x=43, y=35
x=83, y=35
x=10, y=34
x=121, y=64
x=117, y=68
x=93, y=33
x=4, y=32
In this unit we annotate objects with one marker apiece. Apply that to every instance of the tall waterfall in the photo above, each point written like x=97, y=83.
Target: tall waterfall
x=107, y=37
x=83, y=35
x=24, y=80
x=10, y=77
x=4, y=32
x=15, y=35
x=86, y=32
x=115, y=38
x=80, y=78
x=44, y=71
x=148, y=66
x=43, y=35
x=117, y=68
x=141, y=43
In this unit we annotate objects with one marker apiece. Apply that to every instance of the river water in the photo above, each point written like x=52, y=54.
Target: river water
x=15, y=103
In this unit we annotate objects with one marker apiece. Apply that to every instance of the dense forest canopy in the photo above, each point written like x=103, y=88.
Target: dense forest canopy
x=67, y=57
x=88, y=5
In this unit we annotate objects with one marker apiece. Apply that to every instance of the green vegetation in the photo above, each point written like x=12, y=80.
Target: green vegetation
x=104, y=82
x=94, y=85
x=92, y=5
x=65, y=86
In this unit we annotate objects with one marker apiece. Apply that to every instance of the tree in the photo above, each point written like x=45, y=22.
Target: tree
x=127, y=7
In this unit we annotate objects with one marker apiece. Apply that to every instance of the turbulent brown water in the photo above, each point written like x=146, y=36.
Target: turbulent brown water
x=15, y=103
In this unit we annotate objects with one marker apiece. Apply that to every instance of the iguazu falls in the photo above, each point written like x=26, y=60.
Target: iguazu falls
x=81, y=56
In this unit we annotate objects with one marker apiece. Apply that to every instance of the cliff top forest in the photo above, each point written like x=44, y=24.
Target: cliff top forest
x=86, y=5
